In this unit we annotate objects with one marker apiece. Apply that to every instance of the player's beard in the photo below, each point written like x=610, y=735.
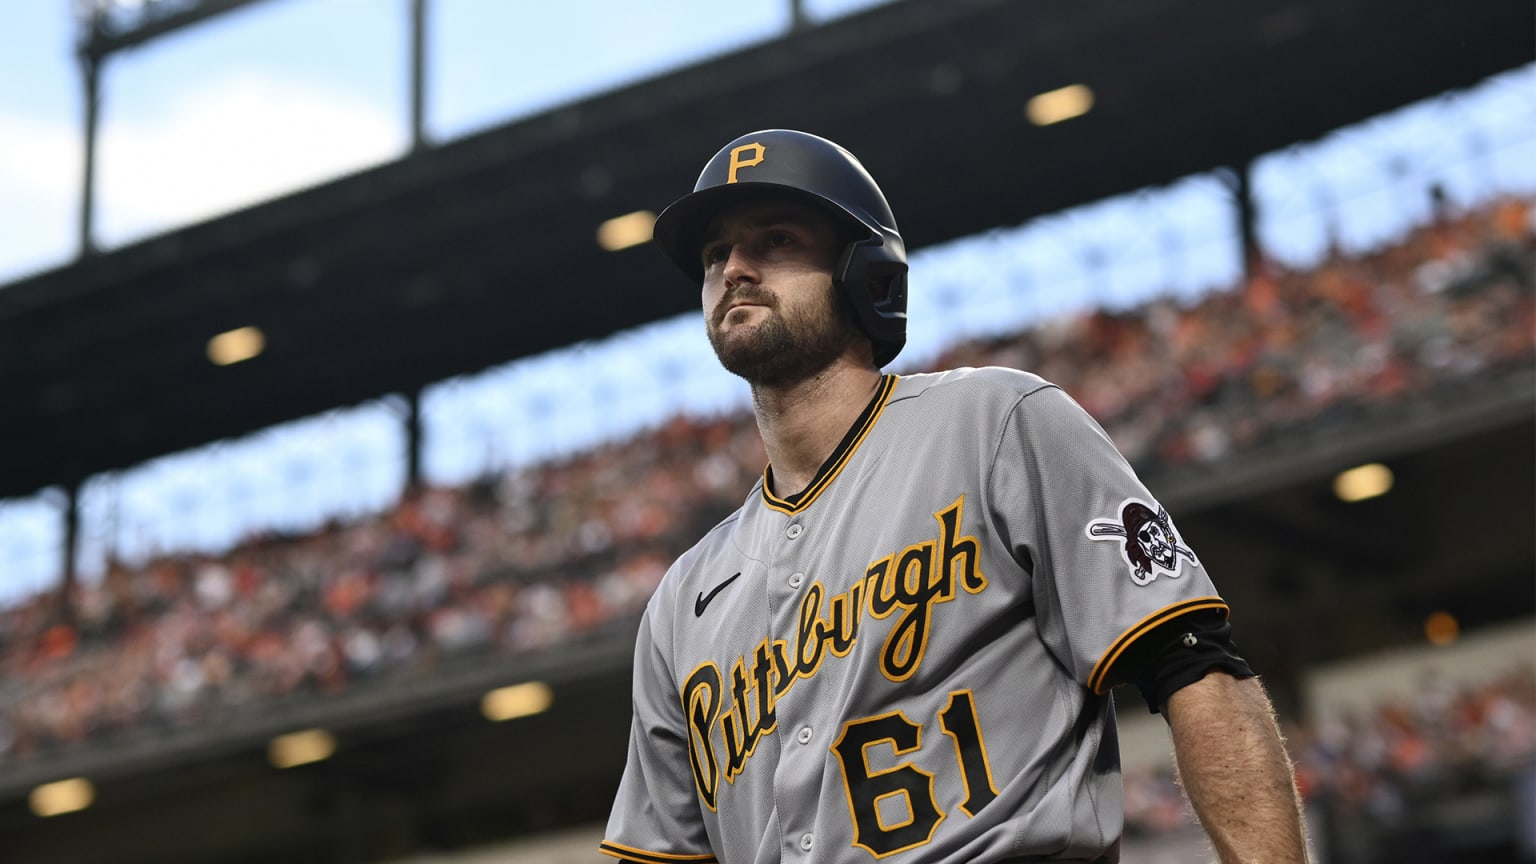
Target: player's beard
x=787, y=345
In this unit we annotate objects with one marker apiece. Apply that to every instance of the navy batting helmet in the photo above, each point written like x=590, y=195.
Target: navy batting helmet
x=871, y=274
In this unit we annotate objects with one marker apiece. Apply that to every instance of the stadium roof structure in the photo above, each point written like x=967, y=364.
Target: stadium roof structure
x=481, y=250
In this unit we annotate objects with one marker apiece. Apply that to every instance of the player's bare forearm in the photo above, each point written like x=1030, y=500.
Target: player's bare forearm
x=1235, y=770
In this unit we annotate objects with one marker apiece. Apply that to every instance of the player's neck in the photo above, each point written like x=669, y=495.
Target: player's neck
x=802, y=423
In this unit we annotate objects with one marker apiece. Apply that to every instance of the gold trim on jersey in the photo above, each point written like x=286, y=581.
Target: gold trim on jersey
x=1096, y=680
x=833, y=466
x=629, y=853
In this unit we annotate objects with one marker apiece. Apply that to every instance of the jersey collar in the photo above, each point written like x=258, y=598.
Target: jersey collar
x=840, y=456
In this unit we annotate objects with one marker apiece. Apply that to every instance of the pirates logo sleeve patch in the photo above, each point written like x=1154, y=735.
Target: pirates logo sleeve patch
x=1148, y=542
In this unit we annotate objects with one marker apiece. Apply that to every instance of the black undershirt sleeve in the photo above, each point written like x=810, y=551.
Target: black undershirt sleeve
x=1179, y=653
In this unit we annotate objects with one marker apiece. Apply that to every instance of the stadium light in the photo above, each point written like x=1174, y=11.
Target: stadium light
x=234, y=346
x=301, y=748
x=519, y=700
x=1441, y=628
x=622, y=232
x=1366, y=481
x=1064, y=103
x=63, y=796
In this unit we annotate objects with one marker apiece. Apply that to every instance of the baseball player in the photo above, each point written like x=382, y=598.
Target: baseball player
x=901, y=646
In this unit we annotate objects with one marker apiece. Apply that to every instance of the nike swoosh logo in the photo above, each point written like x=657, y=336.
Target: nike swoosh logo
x=702, y=602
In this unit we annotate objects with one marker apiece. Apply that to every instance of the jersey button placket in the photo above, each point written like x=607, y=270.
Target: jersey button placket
x=792, y=810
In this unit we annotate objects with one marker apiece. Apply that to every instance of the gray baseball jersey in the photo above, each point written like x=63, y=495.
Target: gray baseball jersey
x=910, y=659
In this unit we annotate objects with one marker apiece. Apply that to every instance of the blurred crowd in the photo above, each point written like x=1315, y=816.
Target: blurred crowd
x=1447, y=740
x=555, y=552
x=1294, y=351
x=526, y=560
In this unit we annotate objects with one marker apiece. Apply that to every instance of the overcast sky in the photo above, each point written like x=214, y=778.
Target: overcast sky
x=290, y=92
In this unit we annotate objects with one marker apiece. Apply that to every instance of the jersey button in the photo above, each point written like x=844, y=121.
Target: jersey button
x=793, y=531
x=795, y=580
x=806, y=842
x=804, y=736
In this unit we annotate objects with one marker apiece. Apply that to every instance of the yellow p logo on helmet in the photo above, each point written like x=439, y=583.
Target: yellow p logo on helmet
x=738, y=161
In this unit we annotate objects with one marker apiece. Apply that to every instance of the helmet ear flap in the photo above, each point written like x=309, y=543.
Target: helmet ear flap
x=873, y=282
